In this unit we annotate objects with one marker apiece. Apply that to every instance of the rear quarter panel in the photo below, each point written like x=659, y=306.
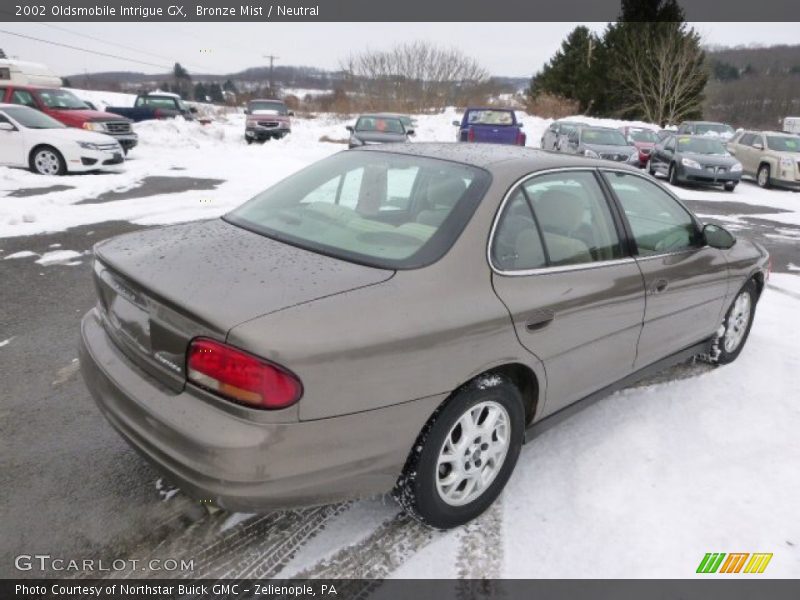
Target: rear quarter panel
x=423, y=332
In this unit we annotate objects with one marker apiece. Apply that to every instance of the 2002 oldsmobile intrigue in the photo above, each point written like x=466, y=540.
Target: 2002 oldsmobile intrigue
x=397, y=317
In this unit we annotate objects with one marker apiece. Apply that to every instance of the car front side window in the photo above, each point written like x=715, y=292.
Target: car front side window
x=658, y=222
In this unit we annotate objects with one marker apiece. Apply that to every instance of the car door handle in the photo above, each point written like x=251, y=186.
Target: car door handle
x=538, y=319
x=659, y=286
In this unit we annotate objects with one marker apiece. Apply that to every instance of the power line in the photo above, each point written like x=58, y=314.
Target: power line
x=98, y=53
x=90, y=37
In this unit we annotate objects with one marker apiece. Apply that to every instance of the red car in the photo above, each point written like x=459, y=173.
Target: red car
x=66, y=107
x=644, y=139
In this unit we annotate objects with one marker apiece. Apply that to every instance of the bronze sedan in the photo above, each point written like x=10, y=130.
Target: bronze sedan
x=398, y=317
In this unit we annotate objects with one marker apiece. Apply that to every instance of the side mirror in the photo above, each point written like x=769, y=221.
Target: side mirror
x=520, y=124
x=410, y=132
x=717, y=236
x=758, y=146
x=7, y=127
x=731, y=150
x=247, y=111
x=193, y=109
x=349, y=128
x=291, y=113
x=457, y=123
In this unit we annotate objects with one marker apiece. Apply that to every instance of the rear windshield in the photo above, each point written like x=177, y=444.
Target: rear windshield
x=700, y=145
x=783, y=143
x=376, y=208
x=61, y=100
x=490, y=117
x=168, y=102
x=603, y=137
x=380, y=125
x=266, y=107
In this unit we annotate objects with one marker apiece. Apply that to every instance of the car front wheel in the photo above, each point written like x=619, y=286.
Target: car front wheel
x=729, y=187
x=46, y=160
x=735, y=328
x=465, y=454
x=673, y=175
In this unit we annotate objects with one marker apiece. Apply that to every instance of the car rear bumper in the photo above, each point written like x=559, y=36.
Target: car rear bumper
x=242, y=464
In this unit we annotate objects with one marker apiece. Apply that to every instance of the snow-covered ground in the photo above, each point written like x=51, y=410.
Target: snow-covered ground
x=641, y=484
x=218, y=151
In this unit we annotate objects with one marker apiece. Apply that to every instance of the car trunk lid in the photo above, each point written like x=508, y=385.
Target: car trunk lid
x=162, y=287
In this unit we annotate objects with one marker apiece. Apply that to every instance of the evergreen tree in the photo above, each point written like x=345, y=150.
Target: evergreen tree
x=572, y=72
x=200, y=92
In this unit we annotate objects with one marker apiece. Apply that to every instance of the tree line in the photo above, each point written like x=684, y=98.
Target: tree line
x=648, y=65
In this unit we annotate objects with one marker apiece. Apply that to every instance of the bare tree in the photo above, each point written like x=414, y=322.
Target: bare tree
x=414, y=76
x=663, y=77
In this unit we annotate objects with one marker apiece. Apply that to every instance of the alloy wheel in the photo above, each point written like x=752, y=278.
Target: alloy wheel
x=736, y=327
x=473, y=453
x=46, y=162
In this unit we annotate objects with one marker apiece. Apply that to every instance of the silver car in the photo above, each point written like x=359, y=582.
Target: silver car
x=402, y=317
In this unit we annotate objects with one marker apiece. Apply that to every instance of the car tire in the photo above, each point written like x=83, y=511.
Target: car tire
x=762, y=176
x=729, y=187
x=735, y=329
x=672, y=175
x=650, y=168
x=46, y=160
x=248, y=140
x=488, y=460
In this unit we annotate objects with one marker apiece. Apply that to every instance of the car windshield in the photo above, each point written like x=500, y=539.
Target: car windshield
x=700, y=146
x=377, y=208
x=783, y=143
x=490, y=117
x=266, y=107
x=603, y=137
x=31, y=118
x=61, y=100
x=642, y=135
x=380, y=125
x=714, y=129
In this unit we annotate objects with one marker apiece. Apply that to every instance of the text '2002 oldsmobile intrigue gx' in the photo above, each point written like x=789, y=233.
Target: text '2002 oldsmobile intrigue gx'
x=396, y=317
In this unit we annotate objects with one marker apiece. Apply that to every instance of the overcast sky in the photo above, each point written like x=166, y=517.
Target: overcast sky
x=515, y=49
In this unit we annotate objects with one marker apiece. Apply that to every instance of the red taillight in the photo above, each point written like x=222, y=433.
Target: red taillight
x=471, y=134
x=520, y=138
x=239, y=376
x=157, y=113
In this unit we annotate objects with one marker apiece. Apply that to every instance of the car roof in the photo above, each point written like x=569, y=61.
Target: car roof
x=265, y=100
x=514, y=161
x=601, y=127
x=9, y=105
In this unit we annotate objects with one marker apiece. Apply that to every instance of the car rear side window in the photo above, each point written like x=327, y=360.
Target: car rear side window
x=658, y=222
x=558, y=219
x=517, y=245
x=23, y=97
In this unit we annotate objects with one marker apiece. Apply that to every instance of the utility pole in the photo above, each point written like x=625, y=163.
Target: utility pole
x=272, y=60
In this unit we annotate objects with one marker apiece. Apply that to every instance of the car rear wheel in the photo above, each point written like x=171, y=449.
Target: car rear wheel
x=735, y=328
x=762, y=177
x=46, y=160
x=464, y=455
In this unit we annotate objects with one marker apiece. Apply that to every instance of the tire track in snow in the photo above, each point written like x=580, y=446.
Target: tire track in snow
x=375, y=557
x=480, y=552
x=257, y=547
